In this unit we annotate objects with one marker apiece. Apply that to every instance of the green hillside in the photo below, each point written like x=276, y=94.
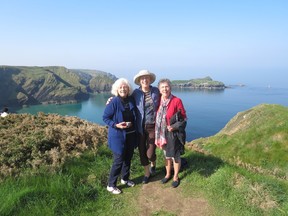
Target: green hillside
x=35, y=85
x=95, y=80
x=256, y=139
x=206, y=83
x=54, y=165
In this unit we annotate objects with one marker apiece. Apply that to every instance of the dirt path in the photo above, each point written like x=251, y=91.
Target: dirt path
x=158, y=199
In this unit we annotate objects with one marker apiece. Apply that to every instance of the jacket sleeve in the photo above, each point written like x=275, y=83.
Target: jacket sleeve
x=109, y=112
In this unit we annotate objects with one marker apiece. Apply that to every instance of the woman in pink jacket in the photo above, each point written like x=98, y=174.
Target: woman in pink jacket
x=170, y=130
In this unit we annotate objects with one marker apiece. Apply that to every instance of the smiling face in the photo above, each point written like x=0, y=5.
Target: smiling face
x=165, y=89
x=145, y=81
x=123, y=90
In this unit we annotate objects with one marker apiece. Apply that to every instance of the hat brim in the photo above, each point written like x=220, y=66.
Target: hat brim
x=138, y=77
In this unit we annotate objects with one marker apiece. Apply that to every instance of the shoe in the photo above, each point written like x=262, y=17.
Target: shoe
x=114, y=190
x=145, y=179
x=175, y=183
x=129, y=183
x=152, y=170
x=165, y=180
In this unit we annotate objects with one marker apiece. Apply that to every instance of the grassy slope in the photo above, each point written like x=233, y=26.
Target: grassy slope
x=39, y=84
x=252, y=176
x=30, y=85
x=77, y=187
x=256, y=137
x=97, y=81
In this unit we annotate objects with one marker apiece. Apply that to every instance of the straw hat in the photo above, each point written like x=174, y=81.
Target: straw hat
x=144, y=73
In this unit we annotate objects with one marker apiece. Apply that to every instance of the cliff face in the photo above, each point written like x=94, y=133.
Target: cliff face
x=201, y=83
x=35, y=85
x=96, y=81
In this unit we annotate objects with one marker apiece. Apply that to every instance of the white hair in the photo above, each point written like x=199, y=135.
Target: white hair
x=118, y=83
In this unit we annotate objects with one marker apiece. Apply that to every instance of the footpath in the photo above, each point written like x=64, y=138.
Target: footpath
x=158, y=199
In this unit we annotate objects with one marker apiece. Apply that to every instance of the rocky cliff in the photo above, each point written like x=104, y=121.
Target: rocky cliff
x=35, y=85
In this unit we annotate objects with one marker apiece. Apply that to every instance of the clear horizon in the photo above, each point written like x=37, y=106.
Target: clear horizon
x=230, y=41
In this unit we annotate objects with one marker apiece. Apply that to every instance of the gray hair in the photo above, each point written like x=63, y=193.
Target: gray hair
x=165, y=81
x=118, y=83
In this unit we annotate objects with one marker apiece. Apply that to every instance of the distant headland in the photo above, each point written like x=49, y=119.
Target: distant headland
x=200, y=83
x=30, y=85
x=22, y=85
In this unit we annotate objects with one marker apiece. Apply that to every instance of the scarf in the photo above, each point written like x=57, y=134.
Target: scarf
x=161, y=124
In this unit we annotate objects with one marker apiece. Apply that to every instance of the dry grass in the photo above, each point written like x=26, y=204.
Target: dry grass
x=256, y=194
x=28, y=142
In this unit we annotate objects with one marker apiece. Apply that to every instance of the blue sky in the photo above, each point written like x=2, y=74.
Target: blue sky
x=240, y=41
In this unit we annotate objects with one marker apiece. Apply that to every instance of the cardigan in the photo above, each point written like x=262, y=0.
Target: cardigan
x=175, y=117
x=175, y=104
x=112, y=116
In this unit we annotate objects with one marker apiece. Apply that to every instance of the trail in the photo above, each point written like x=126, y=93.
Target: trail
x=158, y=199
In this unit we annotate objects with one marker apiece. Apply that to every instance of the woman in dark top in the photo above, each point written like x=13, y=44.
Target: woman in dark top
x=120, y=116
x=147, y=99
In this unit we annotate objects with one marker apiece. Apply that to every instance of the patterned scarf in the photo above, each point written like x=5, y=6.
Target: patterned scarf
x=161, y=124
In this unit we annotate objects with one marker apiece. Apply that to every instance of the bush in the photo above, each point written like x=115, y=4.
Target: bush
x=28, y=142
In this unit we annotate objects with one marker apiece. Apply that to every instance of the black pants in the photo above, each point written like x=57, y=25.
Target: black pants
x=122, y=162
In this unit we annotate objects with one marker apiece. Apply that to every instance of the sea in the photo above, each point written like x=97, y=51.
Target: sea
x=208, y=110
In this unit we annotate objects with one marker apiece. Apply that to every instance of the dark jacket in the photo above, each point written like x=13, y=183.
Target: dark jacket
x=179, y=123
x=112, y=116
x=177, y=138
x=138, y=96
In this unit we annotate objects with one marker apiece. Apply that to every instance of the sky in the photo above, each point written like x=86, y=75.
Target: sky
x=234, y=41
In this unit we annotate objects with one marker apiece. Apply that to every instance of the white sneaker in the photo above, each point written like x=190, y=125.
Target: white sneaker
x=114, y=190
x=129, y=183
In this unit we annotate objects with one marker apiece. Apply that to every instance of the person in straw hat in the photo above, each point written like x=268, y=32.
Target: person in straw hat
x=147, y=99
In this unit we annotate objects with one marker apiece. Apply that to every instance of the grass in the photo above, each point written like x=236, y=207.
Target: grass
x=232, y=190
x=253, y=183
x=257, y=137
x=79, y=188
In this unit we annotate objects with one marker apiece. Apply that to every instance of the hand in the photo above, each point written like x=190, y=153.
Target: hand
x=169, y=128
x=122, y=125
x=109, y=100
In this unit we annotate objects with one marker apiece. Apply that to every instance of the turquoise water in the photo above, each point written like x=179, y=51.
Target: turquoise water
x=208, y=111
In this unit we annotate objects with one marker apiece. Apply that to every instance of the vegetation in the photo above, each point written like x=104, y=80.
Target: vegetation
x=31, y=142
x=256, y=139
x=227, y=169
x=96, y=81
x=205, y=82
x=79, y=188
x=253, y=149
x=54, y=84
x=34, y=85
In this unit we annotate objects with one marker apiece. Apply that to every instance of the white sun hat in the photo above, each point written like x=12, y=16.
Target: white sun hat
x=144, y=73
